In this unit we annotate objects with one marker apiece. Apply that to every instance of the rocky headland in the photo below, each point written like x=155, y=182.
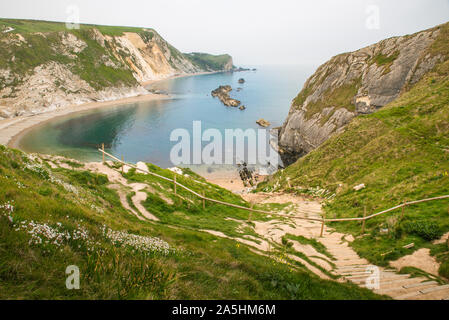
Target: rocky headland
x=43, y=71
x=353, y=84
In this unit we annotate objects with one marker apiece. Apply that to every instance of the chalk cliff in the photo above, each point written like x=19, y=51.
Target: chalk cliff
x=353, y=84
x=45, y=66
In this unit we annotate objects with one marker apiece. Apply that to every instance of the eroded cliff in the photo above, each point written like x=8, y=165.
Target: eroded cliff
x=45, y=66
x=353, y=84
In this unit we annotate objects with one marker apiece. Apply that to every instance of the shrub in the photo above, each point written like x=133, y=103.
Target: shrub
x=425, y=229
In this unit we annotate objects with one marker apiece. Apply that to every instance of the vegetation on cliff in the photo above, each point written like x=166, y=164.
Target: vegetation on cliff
x=401, y=153
x=358, y=83
x=91, y=63
x=211, y=62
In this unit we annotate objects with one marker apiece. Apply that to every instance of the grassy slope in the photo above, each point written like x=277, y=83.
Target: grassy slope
x=41, y=50
x=203, y=266
x=86, y=63
x=400, y=153
x=208, y=61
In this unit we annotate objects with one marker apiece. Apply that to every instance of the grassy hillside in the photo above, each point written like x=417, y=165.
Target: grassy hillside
x=400, y=153
x=101, y=66
x=52, y=218
x=44, y=45
x=32, y=26
x=208, y=61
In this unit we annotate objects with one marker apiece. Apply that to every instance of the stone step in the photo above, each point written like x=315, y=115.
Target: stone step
x=420, y=284
x=435, y=289
x=381, y=280
x=355, y=267
x=401, y=290
x=433, y=293
x=350, y=262
x=408, y=295
x=392, y=283
x=352, y=273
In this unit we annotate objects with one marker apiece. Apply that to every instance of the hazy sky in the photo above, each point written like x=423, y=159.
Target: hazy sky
x=254, y=32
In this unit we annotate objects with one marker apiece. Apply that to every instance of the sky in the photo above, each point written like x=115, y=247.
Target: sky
x=254, y=32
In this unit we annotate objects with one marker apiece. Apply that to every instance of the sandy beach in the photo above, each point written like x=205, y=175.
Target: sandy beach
x=12, y=130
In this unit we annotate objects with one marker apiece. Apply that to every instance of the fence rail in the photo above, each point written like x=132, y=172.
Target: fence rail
x=323, y=220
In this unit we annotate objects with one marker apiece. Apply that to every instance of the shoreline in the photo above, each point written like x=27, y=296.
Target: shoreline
x=12, y=130
x=15, y=129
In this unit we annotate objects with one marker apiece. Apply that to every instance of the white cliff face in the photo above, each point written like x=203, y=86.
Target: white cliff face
x=352, y=84
x=78, y=69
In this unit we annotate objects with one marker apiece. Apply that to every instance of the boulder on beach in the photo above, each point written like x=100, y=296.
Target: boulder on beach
x=263, y=123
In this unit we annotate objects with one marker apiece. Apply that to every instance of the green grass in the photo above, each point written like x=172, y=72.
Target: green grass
x=385, y=61
x=318, y=246
x=40, y=50
x=341, y=97
x=199, y=266
x=208, y=61
x=400, y=153
x=44, y=45
x=32, y=26
x=416, y=272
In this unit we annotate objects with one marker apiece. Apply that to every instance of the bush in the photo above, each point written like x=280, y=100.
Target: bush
x=425, y=229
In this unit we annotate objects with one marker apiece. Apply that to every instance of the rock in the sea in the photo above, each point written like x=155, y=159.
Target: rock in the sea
x=263, y=123
x=241, y=80
x=222, y=93
x=242, y=108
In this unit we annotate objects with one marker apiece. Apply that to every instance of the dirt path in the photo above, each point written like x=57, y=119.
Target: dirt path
x=330, y=256
x=344, y=262
x=119, y=182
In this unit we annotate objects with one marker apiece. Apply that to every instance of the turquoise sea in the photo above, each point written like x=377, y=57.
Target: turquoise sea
x=141, y=131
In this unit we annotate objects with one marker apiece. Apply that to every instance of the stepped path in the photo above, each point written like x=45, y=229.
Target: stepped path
x=345, y=262
x=329, y=257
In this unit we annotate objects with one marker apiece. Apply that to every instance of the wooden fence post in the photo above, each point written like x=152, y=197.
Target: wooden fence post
x=123, y=164
x=249, y=217
x=204, y=200
x=364, y=221
x=322, y=226
x=102, y=148
x=174, y=183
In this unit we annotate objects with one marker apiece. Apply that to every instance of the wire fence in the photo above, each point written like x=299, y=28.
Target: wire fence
x=251, y=209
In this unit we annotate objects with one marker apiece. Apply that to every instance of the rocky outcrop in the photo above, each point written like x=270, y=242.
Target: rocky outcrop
x=222, y=93
x=263, y=123
x=353, y=84
x=43, y=71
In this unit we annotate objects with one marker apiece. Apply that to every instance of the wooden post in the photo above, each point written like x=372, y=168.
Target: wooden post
x=322, y=226
x=174, y=183
x=204, y=200
x=364, y=221
x=102, y=148
x=250, y=213
x=123, y=164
